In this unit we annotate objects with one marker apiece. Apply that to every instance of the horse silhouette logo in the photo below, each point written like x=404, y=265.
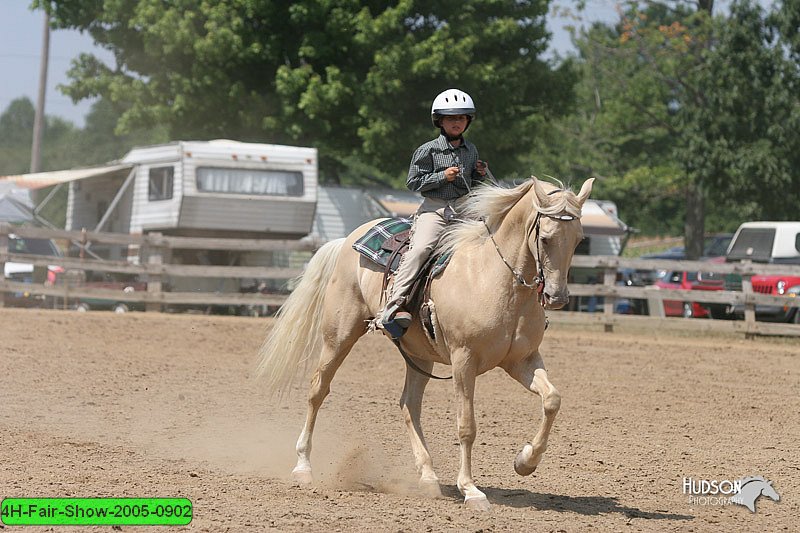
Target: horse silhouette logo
x=752, y=488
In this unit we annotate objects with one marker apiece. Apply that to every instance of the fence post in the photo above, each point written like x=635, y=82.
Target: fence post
x=152, y=254
x=749, y=308
x=3, y=254
x=655, y=304
x=609, y=280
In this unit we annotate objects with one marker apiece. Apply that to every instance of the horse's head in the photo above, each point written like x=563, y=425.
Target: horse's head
x=555, y=231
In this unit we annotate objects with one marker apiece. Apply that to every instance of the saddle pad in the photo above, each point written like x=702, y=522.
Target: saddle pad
x=440, y=264
x=371, y=244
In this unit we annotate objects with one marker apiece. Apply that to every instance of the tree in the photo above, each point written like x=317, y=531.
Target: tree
x=353, y=78
x=625, y=126
x=16, y=132
x=743, y=138
x=676, y=107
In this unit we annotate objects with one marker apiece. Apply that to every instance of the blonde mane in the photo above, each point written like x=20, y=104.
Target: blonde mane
x=491, y=203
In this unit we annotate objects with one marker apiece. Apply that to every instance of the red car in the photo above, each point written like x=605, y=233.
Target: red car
x=696, y=281
x=777, y=285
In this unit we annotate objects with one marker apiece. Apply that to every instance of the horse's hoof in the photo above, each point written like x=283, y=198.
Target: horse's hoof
x=302, y=476
x=477, y=503
x=430, y=488
x=520, y=465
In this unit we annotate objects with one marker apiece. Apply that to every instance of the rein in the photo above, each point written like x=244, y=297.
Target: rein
x=410, y=362
x=539, y=279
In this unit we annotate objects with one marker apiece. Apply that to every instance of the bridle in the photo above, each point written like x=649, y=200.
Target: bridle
x=537, y=283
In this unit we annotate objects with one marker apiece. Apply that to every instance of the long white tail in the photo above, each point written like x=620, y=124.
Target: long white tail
x=296, y=333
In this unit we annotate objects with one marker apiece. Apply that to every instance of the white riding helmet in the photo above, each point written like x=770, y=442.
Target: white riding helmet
x=452, y=102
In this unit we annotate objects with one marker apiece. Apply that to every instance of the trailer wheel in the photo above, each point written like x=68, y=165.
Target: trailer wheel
x=82, y=307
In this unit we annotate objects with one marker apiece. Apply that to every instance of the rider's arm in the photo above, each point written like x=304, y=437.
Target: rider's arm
x=421, y=174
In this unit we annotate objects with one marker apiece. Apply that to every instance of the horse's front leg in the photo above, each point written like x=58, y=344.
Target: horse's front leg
x=464, y=374
x=533, y=376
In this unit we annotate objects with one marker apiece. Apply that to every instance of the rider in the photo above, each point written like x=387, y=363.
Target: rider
x=443, y=170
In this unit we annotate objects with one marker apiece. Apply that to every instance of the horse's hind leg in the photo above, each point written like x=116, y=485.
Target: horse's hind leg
x=411, y=404
x=530, y=372
x=335, y=348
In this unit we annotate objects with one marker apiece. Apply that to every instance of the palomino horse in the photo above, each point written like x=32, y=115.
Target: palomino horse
x=510, y=261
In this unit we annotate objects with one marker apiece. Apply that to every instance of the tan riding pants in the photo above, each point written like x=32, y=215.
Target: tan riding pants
x=429, y=223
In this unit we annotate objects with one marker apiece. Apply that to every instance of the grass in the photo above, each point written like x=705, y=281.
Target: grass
x=639, y=245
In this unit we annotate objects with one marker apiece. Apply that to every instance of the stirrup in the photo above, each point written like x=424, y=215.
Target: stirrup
x=402, y=318
x=395, y=326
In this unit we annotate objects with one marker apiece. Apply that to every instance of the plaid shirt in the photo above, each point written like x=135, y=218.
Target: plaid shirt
x=426, y=173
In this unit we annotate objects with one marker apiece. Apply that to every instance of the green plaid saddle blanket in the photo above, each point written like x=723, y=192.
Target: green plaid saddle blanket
x=371, y=244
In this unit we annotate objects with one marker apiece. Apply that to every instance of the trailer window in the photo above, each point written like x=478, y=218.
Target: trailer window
x=250, y=181
x=160, y=183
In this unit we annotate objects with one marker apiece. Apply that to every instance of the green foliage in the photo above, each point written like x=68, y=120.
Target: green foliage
x=16, y=134
x=355, y=79
x=743, y=138
x=672, y=102
x=624, y=128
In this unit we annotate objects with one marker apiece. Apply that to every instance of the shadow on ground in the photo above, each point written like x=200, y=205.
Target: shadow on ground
x=584, y=505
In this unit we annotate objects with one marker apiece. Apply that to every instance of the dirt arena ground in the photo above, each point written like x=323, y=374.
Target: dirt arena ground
x=147, y=405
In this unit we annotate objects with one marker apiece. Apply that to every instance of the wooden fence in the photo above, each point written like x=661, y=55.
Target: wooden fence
x=153, y=269
x=609, y=290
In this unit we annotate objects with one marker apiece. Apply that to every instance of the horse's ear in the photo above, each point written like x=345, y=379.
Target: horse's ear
x=586, y=190
x=541, y=194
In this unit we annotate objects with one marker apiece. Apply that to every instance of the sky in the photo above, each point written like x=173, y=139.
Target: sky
x=21, y=47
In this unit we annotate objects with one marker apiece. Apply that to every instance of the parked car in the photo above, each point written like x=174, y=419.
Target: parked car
x=697, y=281
x=772, y=243
x=714, y=246
x=105, y=304
x=22, y=272
x=776, y=286
x=630, y=277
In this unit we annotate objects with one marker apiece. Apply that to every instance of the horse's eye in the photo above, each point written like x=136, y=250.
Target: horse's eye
x=545, y=241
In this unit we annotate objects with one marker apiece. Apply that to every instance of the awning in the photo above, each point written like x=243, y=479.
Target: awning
x=596, y=221
x=46, y=179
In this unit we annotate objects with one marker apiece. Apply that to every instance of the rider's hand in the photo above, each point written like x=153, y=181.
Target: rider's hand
x=451, y=173
x=481, y=167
